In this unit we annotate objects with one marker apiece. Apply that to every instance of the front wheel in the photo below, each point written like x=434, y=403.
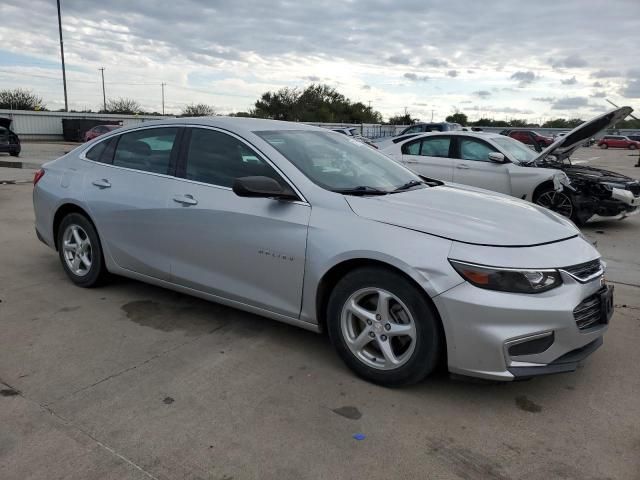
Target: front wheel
x=632, y=147
x=559, y=202
x=80, y=251
x=383, y=327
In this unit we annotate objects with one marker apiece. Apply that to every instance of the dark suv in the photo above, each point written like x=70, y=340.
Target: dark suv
x=9, y=141
x=431, y=127
x=529, y=137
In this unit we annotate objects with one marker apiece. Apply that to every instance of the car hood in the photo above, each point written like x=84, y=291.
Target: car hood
x=564, y=146
x=5, y=122
x=594, y=174
x=466, y=214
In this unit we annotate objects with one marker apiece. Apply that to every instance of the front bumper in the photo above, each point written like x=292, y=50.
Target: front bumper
x=480, y=326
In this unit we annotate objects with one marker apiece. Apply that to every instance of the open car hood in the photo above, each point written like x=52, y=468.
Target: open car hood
x=566, y=145
x=5, y=122
x=466, y=214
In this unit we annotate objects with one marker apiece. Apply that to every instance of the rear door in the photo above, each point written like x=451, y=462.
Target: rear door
x=127, y=193
x=250, y=250
x=429, y=156
x=473, y=167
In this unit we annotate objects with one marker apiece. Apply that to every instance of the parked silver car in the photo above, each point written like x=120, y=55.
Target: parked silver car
x=304, y=226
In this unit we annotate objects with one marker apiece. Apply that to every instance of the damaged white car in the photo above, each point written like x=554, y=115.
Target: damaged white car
x=485, y=160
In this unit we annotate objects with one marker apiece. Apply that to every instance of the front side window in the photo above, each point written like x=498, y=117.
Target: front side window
x=218, y=159
x=338, y=163
x=472, y=149
x=148, y=150
x=435, y=147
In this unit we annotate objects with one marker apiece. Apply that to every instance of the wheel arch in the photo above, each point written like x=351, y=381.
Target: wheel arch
x=333, y=275
x=547, y=184
x=64, y=210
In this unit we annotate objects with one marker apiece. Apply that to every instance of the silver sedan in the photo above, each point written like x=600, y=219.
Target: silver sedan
x=304, y=226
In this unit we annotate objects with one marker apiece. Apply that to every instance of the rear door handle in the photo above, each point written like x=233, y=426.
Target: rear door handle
x=462, y=166
x=102, y=183
x=185, y=199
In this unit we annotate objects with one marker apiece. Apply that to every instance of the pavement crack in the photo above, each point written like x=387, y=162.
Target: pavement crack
x=134, y=367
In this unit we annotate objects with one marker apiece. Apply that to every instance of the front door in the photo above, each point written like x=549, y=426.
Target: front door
x=251, y=250
x=473, y=167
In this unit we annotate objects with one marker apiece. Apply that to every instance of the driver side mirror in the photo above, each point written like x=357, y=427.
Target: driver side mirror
x=496, y=157
x=262, y=187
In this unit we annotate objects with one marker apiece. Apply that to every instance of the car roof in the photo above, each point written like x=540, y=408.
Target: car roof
x=457, y=133
x=236, y=124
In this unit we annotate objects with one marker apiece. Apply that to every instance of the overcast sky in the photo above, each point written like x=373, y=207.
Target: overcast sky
x=501, y=59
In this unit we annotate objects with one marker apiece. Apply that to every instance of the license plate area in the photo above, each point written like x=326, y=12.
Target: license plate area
x=606, y=304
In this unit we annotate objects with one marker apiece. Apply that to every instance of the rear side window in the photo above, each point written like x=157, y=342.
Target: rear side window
x=147, y=150
x=218, y=159
x=103, y=151
x=436, y=147
x=411, y=148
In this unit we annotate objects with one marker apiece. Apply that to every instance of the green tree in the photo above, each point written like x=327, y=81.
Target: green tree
x=316, y=103
x=405, y=119
x=123, y=105
x=199, y=110
x=458, y=117
x=516, y=122
x=20, y=99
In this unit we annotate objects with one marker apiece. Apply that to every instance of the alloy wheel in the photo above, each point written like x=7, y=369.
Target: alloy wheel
x=77, y=250
x=378, y=328
x=556, y=201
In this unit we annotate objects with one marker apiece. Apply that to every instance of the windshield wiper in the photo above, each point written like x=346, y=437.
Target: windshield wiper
x=408, y=185
x=361, y=190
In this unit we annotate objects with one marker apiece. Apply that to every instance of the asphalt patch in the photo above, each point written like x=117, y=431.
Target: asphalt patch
x=352, y=413
x=9, y=392
x=527, y=405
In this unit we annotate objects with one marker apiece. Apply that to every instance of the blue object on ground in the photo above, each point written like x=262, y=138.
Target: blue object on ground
x=359, y=436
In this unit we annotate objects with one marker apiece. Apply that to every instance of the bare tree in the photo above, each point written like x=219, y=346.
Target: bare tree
x=20, y=99
x=199, y=110
x=122, y=105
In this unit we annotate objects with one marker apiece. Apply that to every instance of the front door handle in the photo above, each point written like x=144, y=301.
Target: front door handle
x=185, y=200
x=102, y=183
x=462, y=166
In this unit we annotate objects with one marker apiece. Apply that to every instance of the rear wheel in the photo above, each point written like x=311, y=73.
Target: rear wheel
x=383, y=327
x=559, y=202
x=14, y=153
x=604, y=145
x=80, y=251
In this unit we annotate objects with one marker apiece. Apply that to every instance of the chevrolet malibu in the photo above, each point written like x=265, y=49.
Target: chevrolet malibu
x=314, y=229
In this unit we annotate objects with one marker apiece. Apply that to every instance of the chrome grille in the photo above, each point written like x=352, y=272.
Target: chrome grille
x=588, y=313
x=585, y=271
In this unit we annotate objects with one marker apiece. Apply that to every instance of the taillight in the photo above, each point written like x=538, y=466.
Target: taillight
x=39, y=174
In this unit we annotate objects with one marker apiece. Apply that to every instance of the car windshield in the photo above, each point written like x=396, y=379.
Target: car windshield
x=515, y=150
x=340, y=163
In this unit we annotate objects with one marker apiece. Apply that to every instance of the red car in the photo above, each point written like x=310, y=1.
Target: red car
x=618, y=141
x=529, y=137
x=98, y=130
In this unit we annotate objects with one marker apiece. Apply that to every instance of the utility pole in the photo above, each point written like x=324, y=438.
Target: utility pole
x=163, y=84
x=104, y=96
x=432, y=115
x=64, y=75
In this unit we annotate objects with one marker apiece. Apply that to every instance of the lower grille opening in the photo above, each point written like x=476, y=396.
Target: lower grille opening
x=589, y=312
x=531, y=347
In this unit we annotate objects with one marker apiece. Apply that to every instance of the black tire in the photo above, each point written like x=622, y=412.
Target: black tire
x=632, y=147
x=97, y=273
x=542, y=195
x=429, y=338
x=604, y=145
x=14, y=154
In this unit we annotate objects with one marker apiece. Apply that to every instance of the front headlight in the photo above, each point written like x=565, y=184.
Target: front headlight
x=508, y=279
